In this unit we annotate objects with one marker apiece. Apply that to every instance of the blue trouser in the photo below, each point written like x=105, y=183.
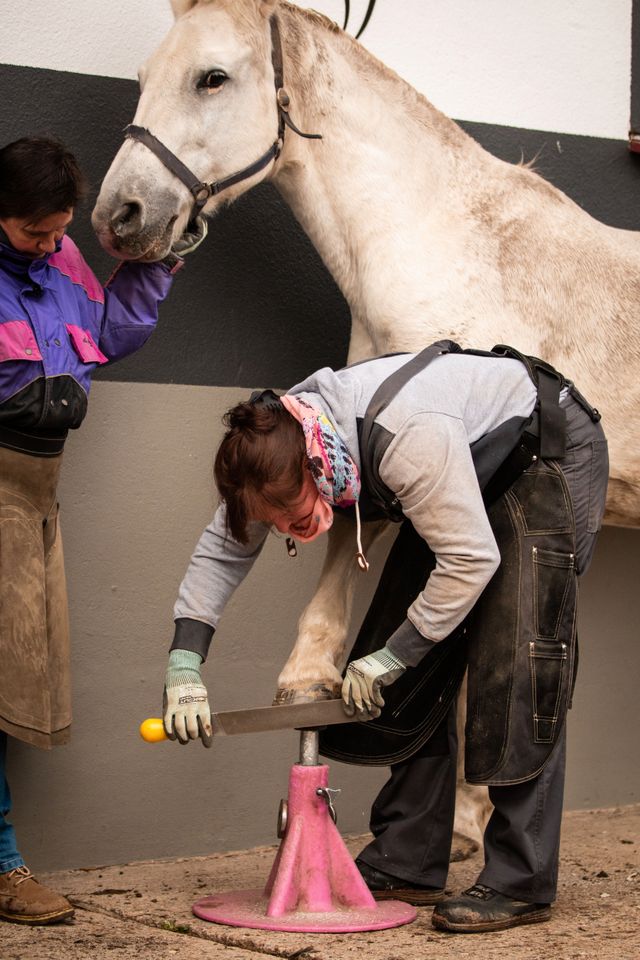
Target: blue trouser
x=9, y=856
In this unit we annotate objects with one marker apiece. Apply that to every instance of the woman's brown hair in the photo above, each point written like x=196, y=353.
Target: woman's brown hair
x=38, y=176
x=262, y=459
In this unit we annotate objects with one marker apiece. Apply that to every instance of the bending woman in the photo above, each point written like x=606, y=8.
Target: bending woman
x=500, y=466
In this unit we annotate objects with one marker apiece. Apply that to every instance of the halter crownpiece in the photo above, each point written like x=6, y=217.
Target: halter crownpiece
x=199, y=189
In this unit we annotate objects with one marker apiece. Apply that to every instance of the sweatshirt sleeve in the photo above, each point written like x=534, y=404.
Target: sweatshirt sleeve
x=218, y=565
x=428, y=466
x=132, y=295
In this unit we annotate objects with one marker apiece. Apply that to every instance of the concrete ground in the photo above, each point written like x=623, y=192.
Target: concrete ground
x=142, y=910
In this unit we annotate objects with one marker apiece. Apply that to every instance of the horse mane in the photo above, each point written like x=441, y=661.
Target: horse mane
x=418, y=107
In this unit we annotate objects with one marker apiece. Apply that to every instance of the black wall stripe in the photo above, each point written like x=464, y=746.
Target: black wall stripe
x=255, y=305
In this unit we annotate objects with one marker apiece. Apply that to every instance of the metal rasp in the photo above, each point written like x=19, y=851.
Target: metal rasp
x=290, y=716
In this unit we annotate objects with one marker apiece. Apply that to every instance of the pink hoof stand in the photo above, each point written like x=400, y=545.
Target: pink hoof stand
x=314, y=885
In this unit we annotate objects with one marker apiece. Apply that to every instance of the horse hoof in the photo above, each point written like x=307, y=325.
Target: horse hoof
x=462, y=847
x=315, y=691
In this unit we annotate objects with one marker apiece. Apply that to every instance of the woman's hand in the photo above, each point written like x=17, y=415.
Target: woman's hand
x=186, y=712
x=365, y=679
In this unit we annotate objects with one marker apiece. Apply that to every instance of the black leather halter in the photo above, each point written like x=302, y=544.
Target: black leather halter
x=202, y=191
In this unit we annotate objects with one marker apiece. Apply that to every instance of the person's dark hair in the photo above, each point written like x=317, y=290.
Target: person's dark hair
x=38, y=177
x=262, y=459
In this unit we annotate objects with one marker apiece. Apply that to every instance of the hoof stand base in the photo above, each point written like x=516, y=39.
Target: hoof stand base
x=314, y=885
x=248, y=908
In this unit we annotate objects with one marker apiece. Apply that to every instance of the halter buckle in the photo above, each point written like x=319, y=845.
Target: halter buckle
x=202, y=191
x=283, y=98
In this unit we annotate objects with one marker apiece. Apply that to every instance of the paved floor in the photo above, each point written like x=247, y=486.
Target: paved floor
x=142, y=911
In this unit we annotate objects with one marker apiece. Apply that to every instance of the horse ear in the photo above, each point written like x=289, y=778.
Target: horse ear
x=182, y=6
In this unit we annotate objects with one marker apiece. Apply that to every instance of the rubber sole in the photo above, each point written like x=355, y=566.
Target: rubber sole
x=486, y=926
x=39, y=919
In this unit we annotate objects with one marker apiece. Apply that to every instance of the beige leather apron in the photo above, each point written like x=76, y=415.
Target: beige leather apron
x=35, y=687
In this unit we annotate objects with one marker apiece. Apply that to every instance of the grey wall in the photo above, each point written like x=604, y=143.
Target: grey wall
x=135, y=495
x=254, y=308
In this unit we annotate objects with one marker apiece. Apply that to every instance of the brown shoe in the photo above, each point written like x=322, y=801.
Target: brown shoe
x=24, y=900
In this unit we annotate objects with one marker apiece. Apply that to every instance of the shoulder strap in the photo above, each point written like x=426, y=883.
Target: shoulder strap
x=386, y=391
x=552, y=418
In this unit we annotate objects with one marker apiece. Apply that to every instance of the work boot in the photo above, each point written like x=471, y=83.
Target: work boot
x=480, y=909
x=24, y=900
x=385, y=887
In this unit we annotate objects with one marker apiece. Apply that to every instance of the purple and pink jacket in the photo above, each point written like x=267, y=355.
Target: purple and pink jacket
x=57, y=324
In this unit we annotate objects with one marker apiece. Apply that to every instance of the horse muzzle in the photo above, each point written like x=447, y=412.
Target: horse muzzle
x=130, y=229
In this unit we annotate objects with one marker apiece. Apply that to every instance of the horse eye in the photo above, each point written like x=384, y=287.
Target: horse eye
x=212, y=80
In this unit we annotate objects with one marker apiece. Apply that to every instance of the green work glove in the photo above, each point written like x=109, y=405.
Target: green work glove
x=185, y=703
x=365, y=678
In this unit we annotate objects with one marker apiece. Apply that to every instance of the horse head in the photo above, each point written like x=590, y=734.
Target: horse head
x=207, y=96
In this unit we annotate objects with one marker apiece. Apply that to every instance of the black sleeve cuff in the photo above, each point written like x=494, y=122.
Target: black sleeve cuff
x=408, y=644
x=192, y=635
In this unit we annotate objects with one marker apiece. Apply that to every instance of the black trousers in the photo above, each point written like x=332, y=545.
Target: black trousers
x=412, y=822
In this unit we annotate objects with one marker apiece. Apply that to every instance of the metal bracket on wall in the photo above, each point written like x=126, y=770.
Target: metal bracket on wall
x=634, y=128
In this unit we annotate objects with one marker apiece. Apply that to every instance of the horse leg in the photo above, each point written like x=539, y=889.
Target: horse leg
x=473, y=807
x=313, y=670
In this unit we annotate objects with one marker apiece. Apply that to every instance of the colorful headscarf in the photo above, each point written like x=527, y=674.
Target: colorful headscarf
x=332, y=467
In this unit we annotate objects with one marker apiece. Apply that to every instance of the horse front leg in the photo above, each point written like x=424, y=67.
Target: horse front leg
x=314, y=668
x=473, y=807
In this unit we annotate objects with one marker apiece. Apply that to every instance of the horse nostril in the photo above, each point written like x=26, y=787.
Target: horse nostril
x=127, y=219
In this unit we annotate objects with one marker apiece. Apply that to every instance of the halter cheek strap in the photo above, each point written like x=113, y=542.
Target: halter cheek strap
x=199, y=189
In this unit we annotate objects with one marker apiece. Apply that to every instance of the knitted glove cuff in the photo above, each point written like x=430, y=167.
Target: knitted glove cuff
x=183, y=667
x=388, y=659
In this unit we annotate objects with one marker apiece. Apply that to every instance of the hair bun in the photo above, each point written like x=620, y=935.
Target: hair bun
x=241, y=417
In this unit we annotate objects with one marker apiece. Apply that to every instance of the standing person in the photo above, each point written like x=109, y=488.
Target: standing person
x=424, y=438
x=57, y=324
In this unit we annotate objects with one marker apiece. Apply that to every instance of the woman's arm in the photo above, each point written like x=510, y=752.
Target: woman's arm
x=429, y=468
x=218, y=565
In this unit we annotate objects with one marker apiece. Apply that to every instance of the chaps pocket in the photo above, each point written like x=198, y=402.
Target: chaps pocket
x=554, y=577
x=551, y=650
x=548, y=662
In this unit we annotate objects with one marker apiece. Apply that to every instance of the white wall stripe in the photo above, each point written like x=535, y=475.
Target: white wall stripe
x=544, y=65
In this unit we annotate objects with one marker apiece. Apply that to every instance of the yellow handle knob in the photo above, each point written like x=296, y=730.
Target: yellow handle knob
x=152, y=730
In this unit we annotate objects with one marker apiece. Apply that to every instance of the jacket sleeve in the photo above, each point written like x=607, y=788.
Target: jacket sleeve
x=218, y=565
x=132, y=296
x=428, y=466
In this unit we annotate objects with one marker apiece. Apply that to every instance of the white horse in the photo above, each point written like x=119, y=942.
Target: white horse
x=427, y=235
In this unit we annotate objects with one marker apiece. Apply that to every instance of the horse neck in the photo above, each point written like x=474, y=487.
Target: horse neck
x=384, y=148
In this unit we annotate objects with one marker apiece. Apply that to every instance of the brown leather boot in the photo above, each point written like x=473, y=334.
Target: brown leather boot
x=24, y=900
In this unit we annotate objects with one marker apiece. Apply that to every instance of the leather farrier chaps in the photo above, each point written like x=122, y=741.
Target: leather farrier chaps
x=519, y=641
x=35, y=684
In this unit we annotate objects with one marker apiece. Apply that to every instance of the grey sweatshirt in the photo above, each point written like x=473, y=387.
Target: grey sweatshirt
x=426, y=462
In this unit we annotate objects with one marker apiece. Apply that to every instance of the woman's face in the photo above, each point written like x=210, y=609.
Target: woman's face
x=36, y=239
x=296, y=518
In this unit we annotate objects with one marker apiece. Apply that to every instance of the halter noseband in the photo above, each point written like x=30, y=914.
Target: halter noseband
x=202, y=191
